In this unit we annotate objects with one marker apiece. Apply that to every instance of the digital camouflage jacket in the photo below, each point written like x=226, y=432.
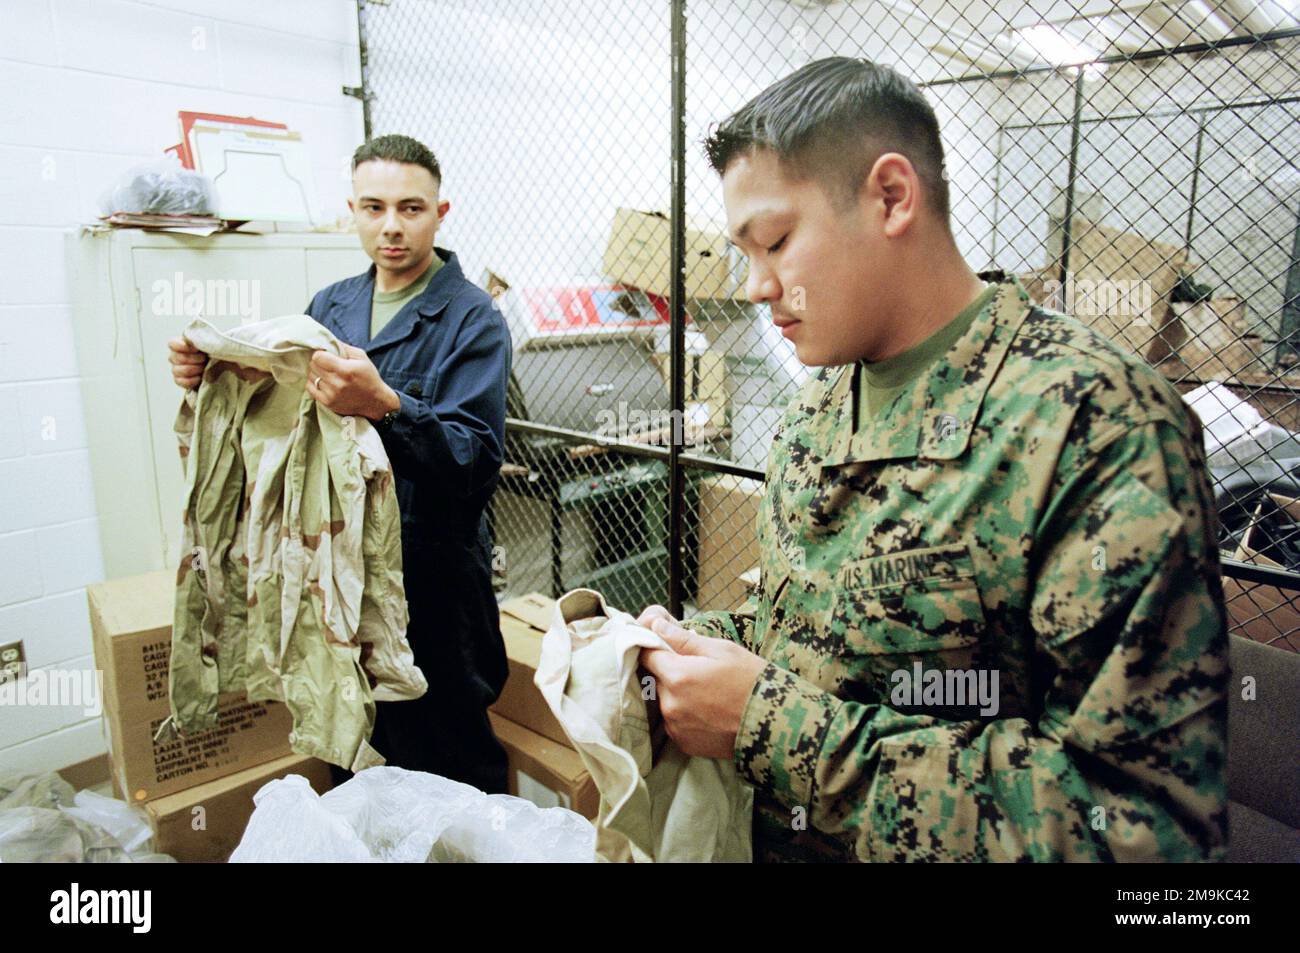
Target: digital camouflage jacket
x=1036, y=507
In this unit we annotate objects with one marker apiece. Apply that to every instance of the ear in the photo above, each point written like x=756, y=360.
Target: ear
x=443, y=207
x=352, y=206
x=894, y=183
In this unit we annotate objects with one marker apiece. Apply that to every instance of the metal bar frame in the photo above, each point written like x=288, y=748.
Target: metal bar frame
x=677, y=316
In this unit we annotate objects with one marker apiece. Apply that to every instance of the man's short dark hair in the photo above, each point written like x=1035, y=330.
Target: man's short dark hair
x=399, y=149
x=831, y=120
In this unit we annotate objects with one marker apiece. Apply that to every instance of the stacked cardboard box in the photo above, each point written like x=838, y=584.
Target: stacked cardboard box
x=1099, y=253
x=131, y=626
x=544, y=768
x=1203, y=341
x=205, y=823
x=638, y=255
x=1217, y=344
x=728, y=539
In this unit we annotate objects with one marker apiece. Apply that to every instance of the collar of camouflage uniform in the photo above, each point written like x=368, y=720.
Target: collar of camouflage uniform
x=949, y=397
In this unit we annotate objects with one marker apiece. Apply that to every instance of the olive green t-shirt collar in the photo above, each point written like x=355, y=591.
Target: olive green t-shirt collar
x=898, y=370
x=411, y=290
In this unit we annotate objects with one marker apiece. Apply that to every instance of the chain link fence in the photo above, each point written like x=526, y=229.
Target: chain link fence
x=1137, y=165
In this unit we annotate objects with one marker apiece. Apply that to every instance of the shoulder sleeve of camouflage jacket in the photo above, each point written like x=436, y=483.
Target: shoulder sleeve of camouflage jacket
x=1126, y=760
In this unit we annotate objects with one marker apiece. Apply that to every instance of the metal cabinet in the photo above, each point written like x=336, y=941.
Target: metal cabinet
x=131, y=291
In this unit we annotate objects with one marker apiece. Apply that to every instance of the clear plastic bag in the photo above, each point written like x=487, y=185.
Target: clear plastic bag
x=164, y=187
x=42, y=819
x=35, y=790
x=48, y=836
x=128, y=825
x=392, y=815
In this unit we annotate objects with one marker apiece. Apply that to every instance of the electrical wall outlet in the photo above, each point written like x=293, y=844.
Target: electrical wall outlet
x=12, y=661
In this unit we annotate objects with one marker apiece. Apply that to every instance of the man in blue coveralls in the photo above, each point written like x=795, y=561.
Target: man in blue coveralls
x=428, y=357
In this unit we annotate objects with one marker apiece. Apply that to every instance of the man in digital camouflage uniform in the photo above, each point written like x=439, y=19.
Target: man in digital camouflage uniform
x=972, y=488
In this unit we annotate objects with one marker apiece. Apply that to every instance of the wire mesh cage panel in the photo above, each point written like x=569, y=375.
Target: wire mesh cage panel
x=1136, y=165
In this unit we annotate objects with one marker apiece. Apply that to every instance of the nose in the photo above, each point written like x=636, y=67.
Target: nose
x=761, y=285
x=392, y=224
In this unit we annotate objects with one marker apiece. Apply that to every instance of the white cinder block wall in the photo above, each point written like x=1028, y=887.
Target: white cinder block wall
x=89, y=88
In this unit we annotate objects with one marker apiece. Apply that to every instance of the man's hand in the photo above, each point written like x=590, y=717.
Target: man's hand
x=187, y=363
x=702, y=686
x=350, y=385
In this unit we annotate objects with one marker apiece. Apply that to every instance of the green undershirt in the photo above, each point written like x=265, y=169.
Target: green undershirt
x=384, y=305
x=882, y=381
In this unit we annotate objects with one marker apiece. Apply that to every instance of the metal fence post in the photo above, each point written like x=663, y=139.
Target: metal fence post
x=677, y=312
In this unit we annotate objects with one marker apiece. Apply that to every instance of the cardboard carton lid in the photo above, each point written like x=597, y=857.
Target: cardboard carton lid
x=523, y=643
x=182, y=801
x=134, y=604
x=534, y=609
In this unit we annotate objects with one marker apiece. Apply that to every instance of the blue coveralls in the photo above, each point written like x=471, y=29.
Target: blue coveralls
x=447, y=355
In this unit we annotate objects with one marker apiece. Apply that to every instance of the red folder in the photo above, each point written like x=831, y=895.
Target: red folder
x=188, y=119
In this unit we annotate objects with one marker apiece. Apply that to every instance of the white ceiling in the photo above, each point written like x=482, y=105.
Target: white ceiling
x=998, y=34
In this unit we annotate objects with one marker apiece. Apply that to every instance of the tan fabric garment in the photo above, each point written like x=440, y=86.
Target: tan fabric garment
x=666, y=808
x=290, y=584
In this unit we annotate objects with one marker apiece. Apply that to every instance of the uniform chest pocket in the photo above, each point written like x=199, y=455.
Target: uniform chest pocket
x=912, y=602
x=417, y=384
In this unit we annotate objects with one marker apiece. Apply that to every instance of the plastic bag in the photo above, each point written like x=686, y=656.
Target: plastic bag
x=47, y=835
x=164, y=187
x=392, y=815
x=35, y=790
x=290, y=825
x=128, y=825
x=42, y=819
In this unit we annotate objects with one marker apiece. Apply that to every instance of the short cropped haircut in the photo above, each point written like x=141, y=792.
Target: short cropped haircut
x=831, y=120
x=399, y=149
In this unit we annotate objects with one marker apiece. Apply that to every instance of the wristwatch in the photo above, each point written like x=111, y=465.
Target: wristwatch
x=386, y=421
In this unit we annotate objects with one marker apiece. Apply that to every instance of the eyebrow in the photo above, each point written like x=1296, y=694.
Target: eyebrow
x=742, y=233
x=412, y=198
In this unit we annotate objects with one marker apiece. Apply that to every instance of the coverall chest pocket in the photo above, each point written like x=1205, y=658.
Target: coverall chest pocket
x=914, y=602
x=419, y=384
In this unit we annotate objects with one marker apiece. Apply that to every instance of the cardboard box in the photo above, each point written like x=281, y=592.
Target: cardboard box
x=520, y=701
x=204, y=824
x=1101, y=253
x=706, y=386
x=1036, y=285
x=1263, y=613
x=728, y=540
x=1213, y=344
x=544, y=772
x=639, y=255
x=534, y=609
x=131, y=626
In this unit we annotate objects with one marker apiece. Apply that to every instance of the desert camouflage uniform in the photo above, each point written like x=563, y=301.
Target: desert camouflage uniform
x=290, y=581
x=1037, y=504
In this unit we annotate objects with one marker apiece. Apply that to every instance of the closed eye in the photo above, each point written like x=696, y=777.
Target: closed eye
x=777, y=247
